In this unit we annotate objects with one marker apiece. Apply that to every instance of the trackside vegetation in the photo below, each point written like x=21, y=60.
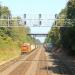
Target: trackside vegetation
x=11, y=38
x=62, y=33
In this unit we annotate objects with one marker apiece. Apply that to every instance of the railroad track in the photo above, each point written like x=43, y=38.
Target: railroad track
x=58, y=67
x=28, y=66
x=20, y=58
x=37, y=61
x=42, y=64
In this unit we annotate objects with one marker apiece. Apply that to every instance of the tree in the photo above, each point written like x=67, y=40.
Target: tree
x=67, y=34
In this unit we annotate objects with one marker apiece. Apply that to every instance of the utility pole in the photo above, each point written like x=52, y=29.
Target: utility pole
x=56, y=17
x=25, y=19
x=0, y=10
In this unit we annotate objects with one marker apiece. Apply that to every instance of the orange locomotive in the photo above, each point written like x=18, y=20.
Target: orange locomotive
x=25, y=48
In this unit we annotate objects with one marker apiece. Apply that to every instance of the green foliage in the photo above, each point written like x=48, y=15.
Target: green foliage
x=68, y=39
x=11, y=38
x=64, y=36
x=71, y=9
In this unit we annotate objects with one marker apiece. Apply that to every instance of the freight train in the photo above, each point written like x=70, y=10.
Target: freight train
x=27, y=47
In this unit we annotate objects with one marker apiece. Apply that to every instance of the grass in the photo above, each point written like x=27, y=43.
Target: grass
x=8, y=49
x=7, y=54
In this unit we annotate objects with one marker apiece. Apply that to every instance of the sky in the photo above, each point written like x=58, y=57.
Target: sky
x=19, y=7
x=32, y=8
